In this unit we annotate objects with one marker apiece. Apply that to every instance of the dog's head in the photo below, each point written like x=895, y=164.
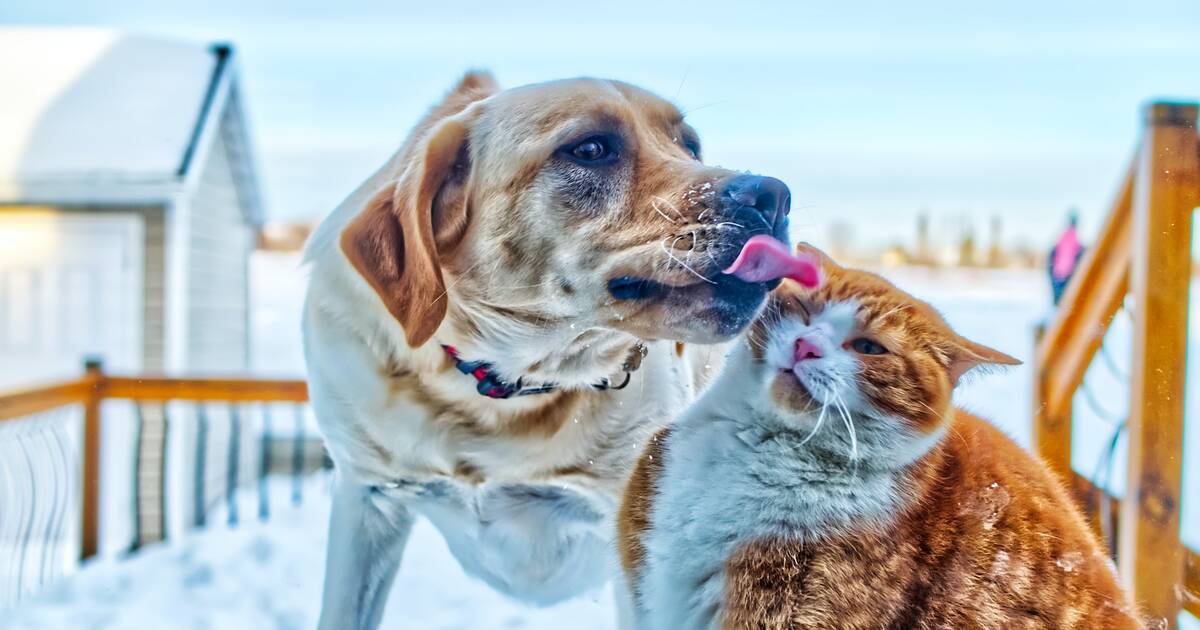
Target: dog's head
x=579, y=204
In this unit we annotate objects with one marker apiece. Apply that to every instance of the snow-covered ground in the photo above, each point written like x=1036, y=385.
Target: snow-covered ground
x=269, y=575
x=259, y=576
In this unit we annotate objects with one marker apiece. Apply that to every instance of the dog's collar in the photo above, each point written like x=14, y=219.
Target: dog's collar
x=492, y=386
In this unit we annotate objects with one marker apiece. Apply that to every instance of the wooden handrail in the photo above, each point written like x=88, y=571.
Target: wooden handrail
x=1109, y=257
x=30, y=401
x=1143, y=252
x=34, y=400
x=95, y=387
x=1067, y=348
x=206, y=389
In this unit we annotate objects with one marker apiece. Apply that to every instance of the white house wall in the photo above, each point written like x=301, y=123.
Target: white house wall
x=219, y=244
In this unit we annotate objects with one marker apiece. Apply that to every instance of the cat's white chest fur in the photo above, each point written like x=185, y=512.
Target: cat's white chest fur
x=732, y=475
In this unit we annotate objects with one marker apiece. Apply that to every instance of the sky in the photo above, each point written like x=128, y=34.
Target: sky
x=871, y=111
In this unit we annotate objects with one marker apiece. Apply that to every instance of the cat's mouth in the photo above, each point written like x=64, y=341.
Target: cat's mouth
x=790, y=394
x=805, y=379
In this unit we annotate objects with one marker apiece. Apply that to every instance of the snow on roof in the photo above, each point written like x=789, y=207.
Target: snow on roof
x=94, y=115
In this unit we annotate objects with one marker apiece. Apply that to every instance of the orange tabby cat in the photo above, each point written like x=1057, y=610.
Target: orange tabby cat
x=825, y=480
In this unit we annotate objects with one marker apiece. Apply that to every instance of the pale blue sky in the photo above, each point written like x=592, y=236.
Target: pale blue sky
x=870, y=110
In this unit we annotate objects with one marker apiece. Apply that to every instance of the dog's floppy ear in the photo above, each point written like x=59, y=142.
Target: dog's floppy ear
x=398, y=240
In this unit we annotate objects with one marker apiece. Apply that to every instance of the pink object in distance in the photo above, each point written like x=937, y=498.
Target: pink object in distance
x=1066, y=254
x=764, y=258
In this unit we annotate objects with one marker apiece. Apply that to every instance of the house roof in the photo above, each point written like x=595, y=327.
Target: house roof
x=94, y=116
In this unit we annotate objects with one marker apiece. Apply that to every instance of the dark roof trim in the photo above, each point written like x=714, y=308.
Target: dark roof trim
x=222, y=52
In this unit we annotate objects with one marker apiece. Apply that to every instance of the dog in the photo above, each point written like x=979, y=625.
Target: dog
x=501, y=316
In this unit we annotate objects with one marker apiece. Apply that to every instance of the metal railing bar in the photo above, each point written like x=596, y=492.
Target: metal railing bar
x=63, y=506
x=162, y=473
x=9, y=486
x=48, y=529
x=139, y=421
x=28, y=529
x=1107, y=457
x=298, y=455
x=235, y=441
x=1096, y=407
x=264, y=462
x=1117, y=372
x=199, y=500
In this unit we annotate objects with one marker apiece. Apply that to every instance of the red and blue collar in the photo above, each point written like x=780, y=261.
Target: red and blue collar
x=488, y=383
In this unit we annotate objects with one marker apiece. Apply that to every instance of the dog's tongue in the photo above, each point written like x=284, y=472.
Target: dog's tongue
x=764, y=259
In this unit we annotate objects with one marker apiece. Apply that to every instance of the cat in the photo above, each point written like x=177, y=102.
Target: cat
x=825, y=480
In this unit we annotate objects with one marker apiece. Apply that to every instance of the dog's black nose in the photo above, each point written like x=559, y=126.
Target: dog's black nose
x=769, y=196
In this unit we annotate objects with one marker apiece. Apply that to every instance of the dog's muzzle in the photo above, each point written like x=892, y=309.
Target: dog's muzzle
x=760, y=205
x=748, y=205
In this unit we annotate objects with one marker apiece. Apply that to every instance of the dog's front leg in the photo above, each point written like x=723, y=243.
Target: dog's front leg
x=367, y=533
x=626, y=607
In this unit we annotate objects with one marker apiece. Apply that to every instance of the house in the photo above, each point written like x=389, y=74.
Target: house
x=129, y=205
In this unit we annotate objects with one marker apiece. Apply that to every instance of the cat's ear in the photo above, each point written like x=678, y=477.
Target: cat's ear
x=806, y=249
x=967, y=355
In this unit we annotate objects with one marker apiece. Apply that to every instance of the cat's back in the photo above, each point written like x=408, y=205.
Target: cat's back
x=1026, y=540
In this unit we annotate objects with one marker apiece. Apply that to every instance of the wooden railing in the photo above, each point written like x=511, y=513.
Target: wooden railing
x=1142, y=257
x=85, y=396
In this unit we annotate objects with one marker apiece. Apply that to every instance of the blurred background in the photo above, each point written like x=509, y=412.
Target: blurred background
x=162, y=163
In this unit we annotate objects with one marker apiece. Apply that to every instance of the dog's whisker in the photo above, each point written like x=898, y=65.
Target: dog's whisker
x=671, y=206
x=518, y=287
x=454, y=282
x=654, y=204
x=672, y=256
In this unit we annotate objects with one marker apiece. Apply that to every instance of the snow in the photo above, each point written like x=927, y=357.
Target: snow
x=95, y=107
x=268, y=575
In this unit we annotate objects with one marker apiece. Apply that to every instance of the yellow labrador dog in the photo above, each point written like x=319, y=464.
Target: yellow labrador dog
x=495, y=325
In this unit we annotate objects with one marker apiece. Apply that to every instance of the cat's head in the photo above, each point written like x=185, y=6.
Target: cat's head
x=860, y=346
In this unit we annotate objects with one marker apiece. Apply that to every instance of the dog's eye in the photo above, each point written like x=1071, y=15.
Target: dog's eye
x=692, y=147
x=593, y=150
x=862, y=345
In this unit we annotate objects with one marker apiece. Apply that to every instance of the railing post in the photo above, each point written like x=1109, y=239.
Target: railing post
x=1150, y=553
x=90, y=487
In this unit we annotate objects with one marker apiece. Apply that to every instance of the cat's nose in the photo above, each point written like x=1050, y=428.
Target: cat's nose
x=806, y=350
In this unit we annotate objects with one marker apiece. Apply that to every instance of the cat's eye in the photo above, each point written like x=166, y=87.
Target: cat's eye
x=862, y=345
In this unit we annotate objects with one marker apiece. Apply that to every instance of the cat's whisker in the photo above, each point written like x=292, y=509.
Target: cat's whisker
x=941, y=415
x=889, y=312
x=820, y=421
x=845, y=413
x=808, y=406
